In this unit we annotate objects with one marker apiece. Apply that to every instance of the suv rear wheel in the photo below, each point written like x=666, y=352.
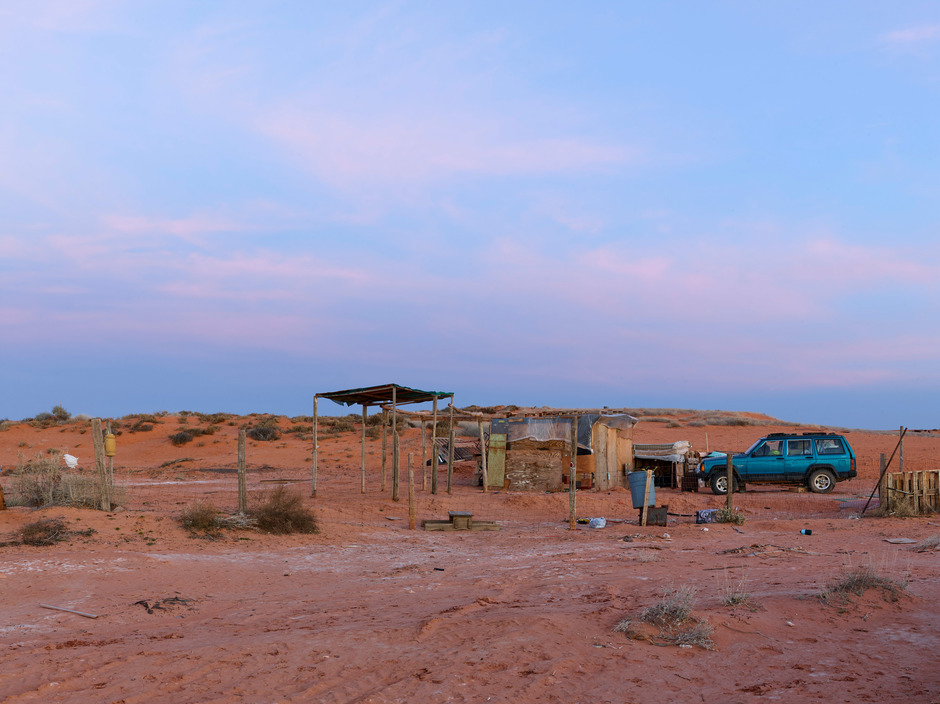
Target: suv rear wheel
x=821, y=481
x=719, y=483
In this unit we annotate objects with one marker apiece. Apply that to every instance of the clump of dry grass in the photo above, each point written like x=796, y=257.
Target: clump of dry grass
x=202, y=519
x=42, y=481
x=282, y=512
x=736, y=594
x=858, y=581
x=730, y=515
x=673, y=616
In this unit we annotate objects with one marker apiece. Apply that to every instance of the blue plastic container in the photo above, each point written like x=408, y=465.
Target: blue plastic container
x=637, y=481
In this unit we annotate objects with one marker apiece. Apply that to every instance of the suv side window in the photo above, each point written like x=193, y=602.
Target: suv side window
x=769, y=448
x=830, y=446
x=799, y=448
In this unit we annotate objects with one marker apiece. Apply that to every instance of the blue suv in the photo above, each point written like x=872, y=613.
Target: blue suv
x=815, y=460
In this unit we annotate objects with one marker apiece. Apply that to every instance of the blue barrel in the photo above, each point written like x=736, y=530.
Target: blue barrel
x=637, y=482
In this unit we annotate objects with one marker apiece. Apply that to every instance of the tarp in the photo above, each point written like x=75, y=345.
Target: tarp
x=558, y=427
x=669, y=452
x=377, y=395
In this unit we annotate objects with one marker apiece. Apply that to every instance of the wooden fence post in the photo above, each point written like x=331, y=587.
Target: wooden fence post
x=242, y=475
x=98, y=441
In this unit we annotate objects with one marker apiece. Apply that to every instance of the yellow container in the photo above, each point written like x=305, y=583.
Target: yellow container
x=110, y=445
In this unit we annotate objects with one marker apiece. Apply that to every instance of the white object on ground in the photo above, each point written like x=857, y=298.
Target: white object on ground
x=71, y=461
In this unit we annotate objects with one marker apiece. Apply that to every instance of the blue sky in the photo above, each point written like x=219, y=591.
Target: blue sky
x=230, y=206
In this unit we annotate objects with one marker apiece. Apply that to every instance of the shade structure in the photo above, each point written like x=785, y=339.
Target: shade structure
x=386, y=393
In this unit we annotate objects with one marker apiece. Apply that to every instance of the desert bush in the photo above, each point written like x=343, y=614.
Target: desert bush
x=60, y=414
x=263, y=433
x=182, y=437
x=45, y=531
x=730, y=515
x=282, y=512
x=858, y=581
x=202, y=519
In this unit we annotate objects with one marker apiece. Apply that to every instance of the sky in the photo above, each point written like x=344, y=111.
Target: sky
x=233, y=205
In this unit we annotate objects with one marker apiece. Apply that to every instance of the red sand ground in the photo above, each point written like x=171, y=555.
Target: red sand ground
x=369, y=611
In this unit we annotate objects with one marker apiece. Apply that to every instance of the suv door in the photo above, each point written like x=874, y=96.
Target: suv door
x=765, y=463
x=799, y=458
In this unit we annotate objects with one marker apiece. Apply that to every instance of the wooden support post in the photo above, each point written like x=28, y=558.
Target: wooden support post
x=384, y=445
x=242, y=475
x=646, y=497
x=424, y=456
x=434, y=450
x=396, y=457
x=396, y=454
x=450, y=451
x=483, y=455
x=573, y=476
x=411, y=493
x=97, y=438
x=728, y=498
x=3, y=501
x=362, y=461
x=313, y=488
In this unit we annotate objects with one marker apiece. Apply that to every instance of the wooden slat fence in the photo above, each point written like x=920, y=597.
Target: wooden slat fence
x=921, y=489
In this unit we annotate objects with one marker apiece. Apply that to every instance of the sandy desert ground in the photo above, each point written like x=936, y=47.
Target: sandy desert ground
x=370, y=611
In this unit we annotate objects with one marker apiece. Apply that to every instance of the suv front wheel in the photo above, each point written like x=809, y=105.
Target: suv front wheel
x=719, y=483
x=821, y=481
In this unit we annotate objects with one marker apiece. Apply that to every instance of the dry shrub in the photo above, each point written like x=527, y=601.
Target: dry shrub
x=202, y=519
x=730, y=515
x=282, y=512
x=45, y=531
x=673, y=616
x=858, y=581
x=36, y=482
x=43, y=482
x=182, y=437
x=263, y=433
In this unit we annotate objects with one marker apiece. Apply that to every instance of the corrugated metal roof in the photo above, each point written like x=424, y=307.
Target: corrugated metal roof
x=377, y=395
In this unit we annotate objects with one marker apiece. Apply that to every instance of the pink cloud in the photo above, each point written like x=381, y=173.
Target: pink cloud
x=345, y=150
x=913, y=35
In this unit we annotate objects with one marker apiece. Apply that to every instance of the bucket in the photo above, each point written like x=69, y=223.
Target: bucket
x=637, y=481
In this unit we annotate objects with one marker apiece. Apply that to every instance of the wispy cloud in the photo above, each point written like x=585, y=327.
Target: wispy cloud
x=346, y=151
x=913, y=35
